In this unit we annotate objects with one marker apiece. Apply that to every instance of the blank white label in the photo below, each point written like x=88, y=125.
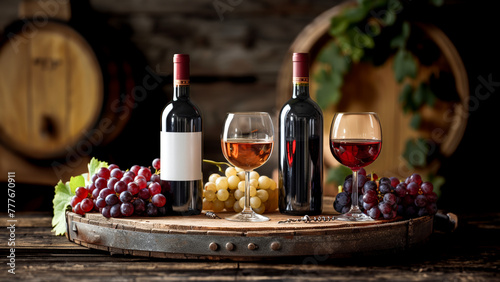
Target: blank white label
x=180, y=156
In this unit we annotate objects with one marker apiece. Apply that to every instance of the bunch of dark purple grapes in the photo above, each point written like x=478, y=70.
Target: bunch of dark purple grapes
x=118, y=193
x=387, y=198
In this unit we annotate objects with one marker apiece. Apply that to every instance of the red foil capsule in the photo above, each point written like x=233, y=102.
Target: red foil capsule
x=181, y=69
x=300, y=67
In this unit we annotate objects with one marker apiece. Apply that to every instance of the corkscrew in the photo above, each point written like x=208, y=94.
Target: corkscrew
x=212, y=215
x=308, y=219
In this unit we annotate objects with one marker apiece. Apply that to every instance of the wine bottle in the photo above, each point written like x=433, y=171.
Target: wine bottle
x=181, y=146
x=300, y=147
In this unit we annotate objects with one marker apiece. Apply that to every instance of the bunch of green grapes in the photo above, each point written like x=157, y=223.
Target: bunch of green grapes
x=227, y=192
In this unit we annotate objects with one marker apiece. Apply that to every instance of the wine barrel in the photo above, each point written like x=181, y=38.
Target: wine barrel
x=373, y=88
x=202, y=237
x=58, y=93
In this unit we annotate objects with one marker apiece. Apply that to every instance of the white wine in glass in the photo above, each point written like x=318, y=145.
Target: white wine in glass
x=247, y=143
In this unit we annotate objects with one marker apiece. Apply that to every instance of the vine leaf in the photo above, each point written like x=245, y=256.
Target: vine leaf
x=404, y=65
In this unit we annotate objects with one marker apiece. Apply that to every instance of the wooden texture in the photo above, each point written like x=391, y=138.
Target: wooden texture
x=373, y=88
x=51, y=90
x=471, y=253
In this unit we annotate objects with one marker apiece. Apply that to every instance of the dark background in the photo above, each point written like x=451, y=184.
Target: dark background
x=235, y=66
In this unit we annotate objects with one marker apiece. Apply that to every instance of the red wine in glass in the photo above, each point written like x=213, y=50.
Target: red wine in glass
x=355, y=153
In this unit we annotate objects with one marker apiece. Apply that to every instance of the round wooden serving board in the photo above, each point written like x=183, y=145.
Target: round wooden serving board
x=201, y=237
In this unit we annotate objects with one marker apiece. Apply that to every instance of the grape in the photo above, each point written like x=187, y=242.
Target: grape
x=217, y=205
x=126, y=196
x=427, y=187
x=120, y=186
x=263, y=195
x=255, y=202
x=392, y=214
x=229, y=203
x=133, y=188
x=101, y=183
x=141, y=181
x=77, y=209
x=369, y=186
x=390, y=199
x=264, y=182
x=91, y=187
x=431, y=197
x=400, y=190
x=344, y=199
x=103, y=172
x=374, y=212
x=233, y=181
x=86, y=205
x=112, y=182
x=348, y=185
x=94, y=178
x=130, y=174
x=362, y=171
x=385, y=180
x=412, y=188
x=112, y=199
x=385, y=208
x=81, y=192
x=337, y=206
x=100, y=203
x=155, y=178
x=420, y=201
x=144, y=194
x=156, y=163
x=213, y=177
x=254, y=175
x=408, y=200
x=370, y=196
x=154, y=188
x=115, y=211
x=112, y=166
x=431, y=208
x=151, y=210
x=159, y=200
x=345, y=209
x=207, y=205
x=260, y=210
x=139, y=206
x=410, y=211
x=105, y=192
x=416, y=178
x=230, y=171
x=106, y=211
x=95, y=193
x=238, y=194
x=394, y=181
x=75, y=200
x=146, y=172
x=127, y=209
x=237, y=207
x=117, y=173
x=385, y=188
x=222, y=195
x=135, y=169
x=368, y=206
x=361, y=180
x=210, y=186
x=422, y=211
x=221, y=183
x=127, y=179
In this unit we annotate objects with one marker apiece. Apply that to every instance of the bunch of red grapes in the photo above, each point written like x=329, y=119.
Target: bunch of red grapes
x=387, y=198
x=118, y=193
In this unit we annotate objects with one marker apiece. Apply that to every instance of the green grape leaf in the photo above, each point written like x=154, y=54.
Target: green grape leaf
x=416, y=152
x=75, y=182
x=338, y=174
x=404, y=65
x=94, y=165
x=415, y=120
x=61, y=203
x=405, y=97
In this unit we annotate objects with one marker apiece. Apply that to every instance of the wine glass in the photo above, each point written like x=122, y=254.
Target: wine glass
x=355, y=141
x=247, y=143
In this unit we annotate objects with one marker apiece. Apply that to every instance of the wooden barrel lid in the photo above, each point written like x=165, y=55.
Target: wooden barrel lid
x=201, y=237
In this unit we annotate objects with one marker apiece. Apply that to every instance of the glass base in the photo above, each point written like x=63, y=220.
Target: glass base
x=354, y=216
x=248, y=217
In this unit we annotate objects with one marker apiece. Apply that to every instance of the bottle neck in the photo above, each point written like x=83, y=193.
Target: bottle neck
x=181, y=92
x=300, y=87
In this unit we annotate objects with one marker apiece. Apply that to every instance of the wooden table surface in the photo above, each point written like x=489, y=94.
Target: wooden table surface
x=471, y=253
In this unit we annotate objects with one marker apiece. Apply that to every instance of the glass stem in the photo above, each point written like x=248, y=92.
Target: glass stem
x=247, y=208
x=355, y=197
